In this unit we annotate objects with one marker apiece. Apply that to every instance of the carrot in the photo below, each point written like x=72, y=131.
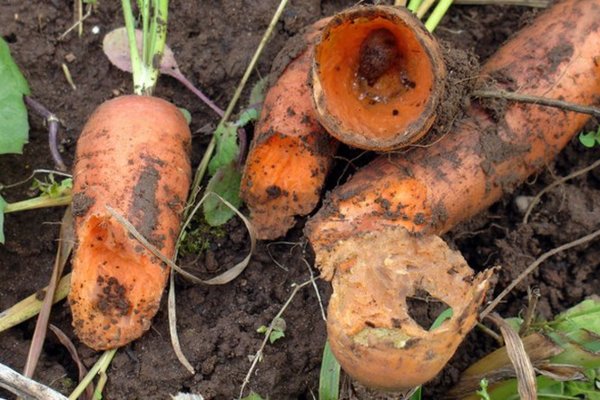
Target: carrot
x=378, y=77
x=291, y=153
x=132, y=156
x=396, y=206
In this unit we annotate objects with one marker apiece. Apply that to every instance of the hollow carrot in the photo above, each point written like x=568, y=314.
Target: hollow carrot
x=404, y=201
x=132, y=155
x=378, y=77
x=291, y=153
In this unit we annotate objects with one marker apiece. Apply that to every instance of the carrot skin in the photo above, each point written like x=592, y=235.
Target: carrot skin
x=132, y=155
x=291, y=153
x=431, y=189
x=403, y=201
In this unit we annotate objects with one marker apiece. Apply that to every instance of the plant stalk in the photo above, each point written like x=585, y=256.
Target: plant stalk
x=38, y=202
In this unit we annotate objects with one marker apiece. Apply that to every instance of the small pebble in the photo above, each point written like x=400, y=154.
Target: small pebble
x=522, y=203
x=96, y=30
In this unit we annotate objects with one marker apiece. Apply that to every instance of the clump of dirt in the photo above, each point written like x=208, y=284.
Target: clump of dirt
x=217, y=325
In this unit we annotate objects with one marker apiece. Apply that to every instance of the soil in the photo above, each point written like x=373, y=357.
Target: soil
x=217, y=325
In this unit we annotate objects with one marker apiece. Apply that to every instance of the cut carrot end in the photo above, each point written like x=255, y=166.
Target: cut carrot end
x=291, y=153
x=116, y=285
x=283, y=177
x=377, y=78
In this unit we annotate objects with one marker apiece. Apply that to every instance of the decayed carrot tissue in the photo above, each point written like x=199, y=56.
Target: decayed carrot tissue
x=370, y=330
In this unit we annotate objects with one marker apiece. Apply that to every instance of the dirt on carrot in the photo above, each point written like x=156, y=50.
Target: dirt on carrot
x=291, y=153
x=132, y=156
x=428, y=191
x=214, y=55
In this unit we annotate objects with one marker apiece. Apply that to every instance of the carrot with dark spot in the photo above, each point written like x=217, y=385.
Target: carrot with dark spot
x=117, y=284
x=291, y=153
x=388, y=216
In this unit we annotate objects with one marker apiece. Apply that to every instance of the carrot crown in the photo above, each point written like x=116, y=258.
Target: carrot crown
x=146, y=67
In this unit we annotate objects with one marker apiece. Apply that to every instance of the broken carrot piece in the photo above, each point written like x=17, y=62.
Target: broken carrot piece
x=291, y=153
x=399, y=203
x=378, y=77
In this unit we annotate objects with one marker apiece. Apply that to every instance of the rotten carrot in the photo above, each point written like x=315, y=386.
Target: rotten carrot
x=132, y=155
x=291, y=153
x=405, y=201
x=378, y=77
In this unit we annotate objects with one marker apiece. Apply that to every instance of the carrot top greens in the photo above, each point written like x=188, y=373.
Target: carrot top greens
x=146, y=66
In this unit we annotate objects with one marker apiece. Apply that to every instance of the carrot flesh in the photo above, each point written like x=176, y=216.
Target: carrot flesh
x=291, y=153
x=378, y=77
x=132, y=155
x=409, y=199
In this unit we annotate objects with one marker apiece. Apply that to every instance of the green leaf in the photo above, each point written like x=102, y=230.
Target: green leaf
x=483, y=393
x=253, y=396
x=329, y=379
x=588, y=139
x=444, y=315
x=247, y=116
x=257, y=94
x=275, y=336
x=2, y=205
x=186, y=115
x=227, y=147
x=262, y=329
x=14, y=127
x=225, y=183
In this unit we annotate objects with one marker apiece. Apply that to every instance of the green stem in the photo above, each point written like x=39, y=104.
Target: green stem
x=154, y=36
x=145, y=10
x=414, y=4
x=136, y=62
x=99, y=368
x=438, y=13
x=38, y=202
x=158, y=40
x=201, y=171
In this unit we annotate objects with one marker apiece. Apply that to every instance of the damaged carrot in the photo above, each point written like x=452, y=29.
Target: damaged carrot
x=132, y=156
x=132, y=159
x=291, y=153
x=378, y=77
x=398, y=204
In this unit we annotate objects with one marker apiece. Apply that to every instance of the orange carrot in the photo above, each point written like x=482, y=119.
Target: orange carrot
x=133, y=155
x=291, y=153
x=399, y=203
x=378, y=77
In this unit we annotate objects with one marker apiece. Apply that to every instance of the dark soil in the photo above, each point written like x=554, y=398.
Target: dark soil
x=213, y=42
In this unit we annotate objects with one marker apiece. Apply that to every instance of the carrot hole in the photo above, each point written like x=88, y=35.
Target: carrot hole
x=424, y=308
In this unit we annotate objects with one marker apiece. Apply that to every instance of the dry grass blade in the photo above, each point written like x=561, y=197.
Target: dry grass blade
x=171, y=303
x=554, y=184
x=533, y=266
x=31, y=305
x=258, y=356
x=65, y=246
x=538, y=100
x=497, y=366
x=65, y=341
x=221, y=279
x=25, y=387
x=520, y=360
